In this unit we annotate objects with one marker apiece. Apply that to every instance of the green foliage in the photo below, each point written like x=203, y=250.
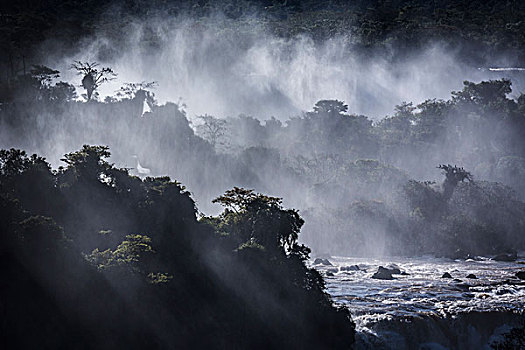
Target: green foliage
x=159, y=278
x=253, y=218
x=88, y=163
x=251, y=244
x=175, y=278
x=129, y=252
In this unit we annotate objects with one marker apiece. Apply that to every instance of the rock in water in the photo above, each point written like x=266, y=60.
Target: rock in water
x=327, y=262
x=520, y=275
x=506, y=257
x=446, y=275
x=471, y=276
x=394, y=269
x=318, y=261
x=383, y=274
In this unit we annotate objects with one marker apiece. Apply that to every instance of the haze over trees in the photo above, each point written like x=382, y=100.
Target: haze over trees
x=368, y=179
x=96, y=253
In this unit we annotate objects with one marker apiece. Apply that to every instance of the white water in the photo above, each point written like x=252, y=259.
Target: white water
x=508, y=69
x=376, y=305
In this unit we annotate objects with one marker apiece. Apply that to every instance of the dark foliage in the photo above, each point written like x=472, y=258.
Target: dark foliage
x=95, y=258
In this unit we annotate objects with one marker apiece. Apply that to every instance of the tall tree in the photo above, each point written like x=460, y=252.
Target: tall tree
x=92, y=76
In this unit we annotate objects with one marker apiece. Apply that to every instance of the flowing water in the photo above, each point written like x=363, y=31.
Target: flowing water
x=421, y=310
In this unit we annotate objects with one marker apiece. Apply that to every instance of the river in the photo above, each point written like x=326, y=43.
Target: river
x=421, y=310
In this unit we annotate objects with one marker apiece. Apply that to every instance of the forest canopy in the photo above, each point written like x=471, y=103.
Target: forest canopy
x=111, y=257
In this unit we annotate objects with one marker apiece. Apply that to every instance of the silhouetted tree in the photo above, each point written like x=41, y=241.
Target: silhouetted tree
x=453, y=175
x=139, y=91
x=44, y=75
x=92, y=76
x=330, y=107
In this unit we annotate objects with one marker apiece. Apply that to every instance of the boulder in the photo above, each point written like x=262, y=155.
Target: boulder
x=446, y=275
x=473, y=258
x=506, y=257
x=320, y=261
x=383, y=274
x=394, y=269
x=471, y=276
x=329, y=274
x=521, y=275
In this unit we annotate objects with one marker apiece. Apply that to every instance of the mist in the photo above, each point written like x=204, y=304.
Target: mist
x=236, y=70
x=243, y=69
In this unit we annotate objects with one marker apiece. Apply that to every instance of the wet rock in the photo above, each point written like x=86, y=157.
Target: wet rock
x=513, y=256
x=471, y=276
x=404, y=273
x=350, y=268
x=333, y=270
x=473, y=258
x=446, y=275
x=394, y=269
x=329, y=274
x=320, y=261
x=520, y=275
x=457, y=280
x=383, y=274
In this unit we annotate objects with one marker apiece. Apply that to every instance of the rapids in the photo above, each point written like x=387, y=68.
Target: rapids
x=421, y=310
